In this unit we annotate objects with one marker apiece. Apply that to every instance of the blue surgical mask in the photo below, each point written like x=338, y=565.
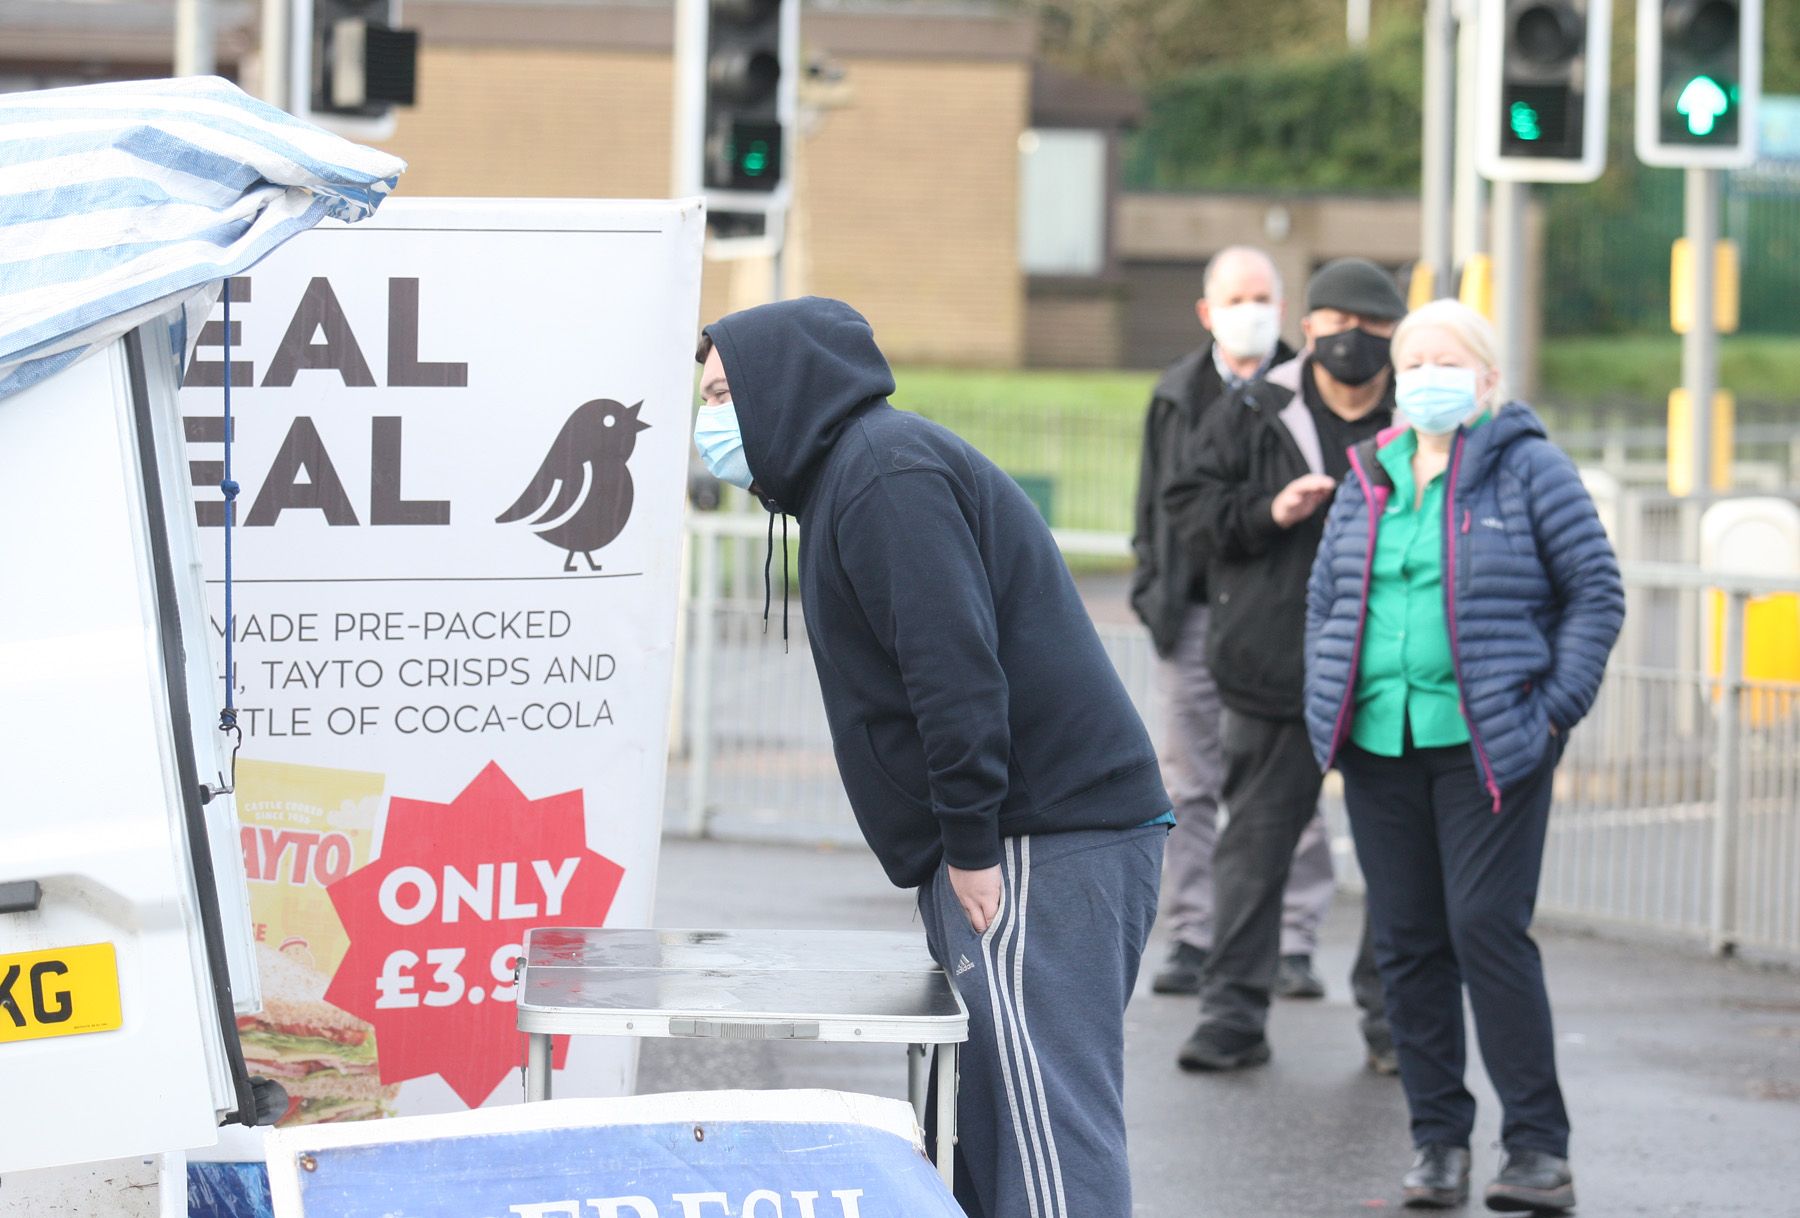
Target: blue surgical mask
x=1436, y=399
x=720, y=443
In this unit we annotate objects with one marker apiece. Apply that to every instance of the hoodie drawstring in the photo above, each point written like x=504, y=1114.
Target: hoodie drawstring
x=768, y=557
x=768, y=584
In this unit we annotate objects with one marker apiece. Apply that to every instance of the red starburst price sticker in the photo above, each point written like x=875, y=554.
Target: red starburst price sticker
x=437, y=921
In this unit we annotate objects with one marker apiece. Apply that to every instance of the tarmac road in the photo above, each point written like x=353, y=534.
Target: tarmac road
x=1682, y=1073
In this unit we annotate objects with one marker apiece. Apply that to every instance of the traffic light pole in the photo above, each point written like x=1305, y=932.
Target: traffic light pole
x=1439, y=160
x=1509, y=205
x=194, y=38
x=1700, y=345
x=690, y=98
x=1470, y=206
x=276, y=16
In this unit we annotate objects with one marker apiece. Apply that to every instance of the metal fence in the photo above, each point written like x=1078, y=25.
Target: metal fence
x=1677, y=802
x=1765, y=455
x=1606, y=249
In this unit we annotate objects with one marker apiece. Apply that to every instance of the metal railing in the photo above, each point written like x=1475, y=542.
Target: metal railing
x=1766, y=456
x=1677, y=802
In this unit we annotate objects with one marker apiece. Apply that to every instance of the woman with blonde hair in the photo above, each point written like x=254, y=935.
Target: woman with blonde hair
x=1459, y=618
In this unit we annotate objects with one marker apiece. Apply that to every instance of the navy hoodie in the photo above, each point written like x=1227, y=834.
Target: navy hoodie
x=968, y=695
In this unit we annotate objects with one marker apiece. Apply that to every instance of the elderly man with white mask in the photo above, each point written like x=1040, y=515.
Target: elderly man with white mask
x=1241, y=309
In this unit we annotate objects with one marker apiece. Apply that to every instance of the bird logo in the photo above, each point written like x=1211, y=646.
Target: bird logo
x=580, y=497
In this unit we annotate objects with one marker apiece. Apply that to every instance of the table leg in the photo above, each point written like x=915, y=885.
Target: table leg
x=946, y=1113
x=537, y=1066
x=915, y=1080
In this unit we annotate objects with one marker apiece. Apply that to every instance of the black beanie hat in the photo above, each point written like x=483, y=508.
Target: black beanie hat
x=1355, y=285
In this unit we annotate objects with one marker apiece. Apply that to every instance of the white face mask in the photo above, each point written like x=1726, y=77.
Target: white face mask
x=1248, y=330
x=1436, y=398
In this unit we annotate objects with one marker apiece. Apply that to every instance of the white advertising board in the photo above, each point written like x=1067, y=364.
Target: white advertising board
x=461, y=437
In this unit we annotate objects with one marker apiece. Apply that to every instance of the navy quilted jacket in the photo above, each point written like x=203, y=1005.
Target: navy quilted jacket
x=1534, y=606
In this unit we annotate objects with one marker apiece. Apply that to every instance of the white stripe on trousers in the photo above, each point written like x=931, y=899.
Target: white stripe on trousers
x=1042, y=1169
x=1023, y=883
x=1012, y=1097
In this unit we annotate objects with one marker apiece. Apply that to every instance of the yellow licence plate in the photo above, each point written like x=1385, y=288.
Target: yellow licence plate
x=64, y=991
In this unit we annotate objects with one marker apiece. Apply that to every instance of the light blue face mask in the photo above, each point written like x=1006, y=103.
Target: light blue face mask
x=1435, y=398
x=720, y=443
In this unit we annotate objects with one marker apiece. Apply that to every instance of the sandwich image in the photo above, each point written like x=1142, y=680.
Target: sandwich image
x=324, y=1057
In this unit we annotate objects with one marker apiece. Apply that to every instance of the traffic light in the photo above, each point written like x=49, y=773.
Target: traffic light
x=741, y=76
x=1543, y=86
x=744, y=130
x=352, y=65
x=1699, y=80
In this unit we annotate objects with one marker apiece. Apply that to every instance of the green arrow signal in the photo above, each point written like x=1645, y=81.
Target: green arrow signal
x=1703, y=103
x=1525, y=123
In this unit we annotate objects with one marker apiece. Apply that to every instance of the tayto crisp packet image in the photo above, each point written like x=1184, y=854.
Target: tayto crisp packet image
x=302, y=828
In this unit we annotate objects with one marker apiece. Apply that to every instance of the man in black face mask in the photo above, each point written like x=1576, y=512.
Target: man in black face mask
x=1253, y=505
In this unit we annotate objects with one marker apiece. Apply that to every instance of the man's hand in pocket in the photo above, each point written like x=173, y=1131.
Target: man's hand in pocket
x=978, y=892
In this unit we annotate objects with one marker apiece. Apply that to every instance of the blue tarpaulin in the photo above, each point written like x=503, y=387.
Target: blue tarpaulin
x=229, y=1190
x=123, y=202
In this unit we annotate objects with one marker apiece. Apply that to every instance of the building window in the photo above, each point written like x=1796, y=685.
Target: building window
x=1062, y=202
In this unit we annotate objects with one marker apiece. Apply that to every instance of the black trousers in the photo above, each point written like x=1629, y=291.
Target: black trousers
x=1452, y=889
x=1270, y=792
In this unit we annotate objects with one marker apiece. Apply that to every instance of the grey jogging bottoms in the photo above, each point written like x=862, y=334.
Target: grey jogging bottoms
x=1041, y=1106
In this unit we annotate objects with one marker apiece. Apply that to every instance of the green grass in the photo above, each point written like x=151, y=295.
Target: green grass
x=1080, y=432
x=1109, y=394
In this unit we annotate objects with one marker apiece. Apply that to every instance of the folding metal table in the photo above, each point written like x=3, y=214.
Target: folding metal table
x=868, y=987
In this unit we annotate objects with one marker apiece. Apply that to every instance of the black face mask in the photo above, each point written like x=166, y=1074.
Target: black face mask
x=1352, y=356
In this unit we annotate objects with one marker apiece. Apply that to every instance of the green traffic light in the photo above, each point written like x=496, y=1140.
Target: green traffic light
x=1703, y=103
x=1525, y=122
x=757, y=159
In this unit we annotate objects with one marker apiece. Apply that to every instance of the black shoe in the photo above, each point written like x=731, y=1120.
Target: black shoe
x=1439, y=1179
x=1531, y=1181
x=1180, y=973
x=1212, y=1047
x=1294, y=978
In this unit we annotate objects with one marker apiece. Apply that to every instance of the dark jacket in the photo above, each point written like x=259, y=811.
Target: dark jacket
x=1250, y=447
x=1534, y=606
x=1168, y=577
x=968, y=695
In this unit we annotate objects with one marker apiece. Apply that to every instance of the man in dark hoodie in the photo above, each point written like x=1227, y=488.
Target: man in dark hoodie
x=989, y=750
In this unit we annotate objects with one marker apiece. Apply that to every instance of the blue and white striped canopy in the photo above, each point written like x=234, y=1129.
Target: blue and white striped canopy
x=123, y=202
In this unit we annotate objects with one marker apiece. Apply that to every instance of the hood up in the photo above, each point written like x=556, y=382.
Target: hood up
x=798, y=369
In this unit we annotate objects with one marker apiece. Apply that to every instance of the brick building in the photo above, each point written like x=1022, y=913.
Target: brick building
x=906, y=169
x=964, y=196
